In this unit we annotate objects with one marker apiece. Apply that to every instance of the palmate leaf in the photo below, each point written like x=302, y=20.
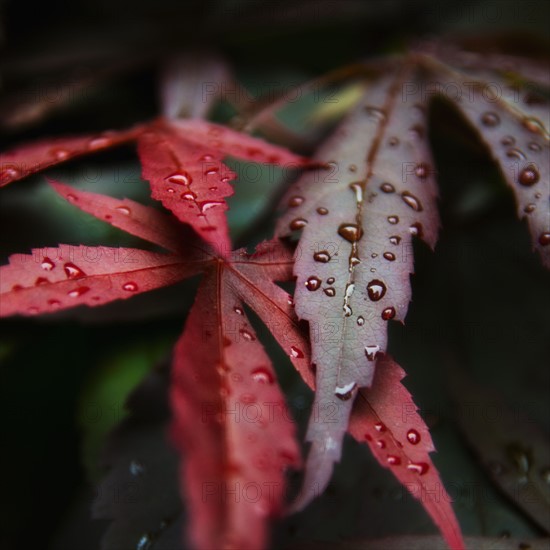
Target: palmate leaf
x=355, y=253
x=182, y=159
x=229, y=416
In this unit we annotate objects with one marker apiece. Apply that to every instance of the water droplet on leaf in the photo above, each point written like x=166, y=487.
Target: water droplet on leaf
x=295, y=201
x=47, y=264
x=77, y=292
x=72, y=271
x=322, y=211
x=323, y=256
x=297, y=353
x=298, y=223
x=412, y=201
x=262, y=376
x=387, y=188
x=350, y=231
x=313, y=283
x=490, y=119
x=344, y=393
x=130, y=286
x=419, y=468
x=372, y=351
x=376, y=290
x=413, y=437
x=330, y=291
x=393, y=219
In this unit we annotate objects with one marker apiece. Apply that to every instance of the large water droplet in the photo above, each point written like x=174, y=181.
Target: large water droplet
x=189, y=196
x=78, y=291
x=330, y=291
x=323, y=256
x=350, y=231
x=529, y=176
x=72, y=271
x=413, y=437
x=47, y=264
x=490, y=119
x=372, y=351
x=387, y=188
x=262, y=376
x=390, y=256
x=297, y=353
x=313, y=283
x=419, y=468
x=130, y=287
x=376, y=290
x=388, y=313
x=298, y=223
x=544, y=239
x=180, y=178
x=295, y=201
x=393, y=219
x=412, y=201
x=344, y=393
x=360, y=320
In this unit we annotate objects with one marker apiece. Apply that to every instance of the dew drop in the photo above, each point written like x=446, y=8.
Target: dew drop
x=393, y=460
x=322, y=211
x=354, y=260
x=60, y=154
x=393, y=142
x=295, y=201
x=417, y=131
x=16, y=288
x=313, y=283
x=533, y=146
x=206, y=158
x=47, y=264
x=416, y=229
x=330, y=291
x=98, y=142
x=323, y=256
x=529, y=176
x=136, y=468
x=247, y=335
x=145, y=542
x=71, y=198
x=412, y=201
x=72, y=271
x=387, y=188
x=422, y=170
x=393, y=219
x=180, y=178
x=189, y=196
x=534, y=125
x=78, y=291
x=351, y=232
x=238, y=310
x=247, y=398
x=372, y=351
x=390, y=256
x=388, y=313
x=413, y=437
x=344, y=393
x=544, y=239
x=507, y=141
x=530, y=208
x=381, y=444
x=262, y=376
x=348, y=312
x=515, y=153
x=54, y=303
x=171, y=190
x=211, y=171
x=419, y=468
x=375, y=113
x=352, y=168
x=10, y=173
x=331, y=280
x=376, y=290
x=298, y=223
x=379, y=427
x=357, y=190
x=297, y=353
x=207, y=205
x=360, y=320
x=41, y=281
x=490, y=119
x=130, y=286
x=123, y=210
x=395, y=239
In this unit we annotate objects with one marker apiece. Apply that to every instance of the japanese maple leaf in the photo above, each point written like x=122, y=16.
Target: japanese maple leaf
x=358, y=219
x=229, y=416
x=181, y=158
